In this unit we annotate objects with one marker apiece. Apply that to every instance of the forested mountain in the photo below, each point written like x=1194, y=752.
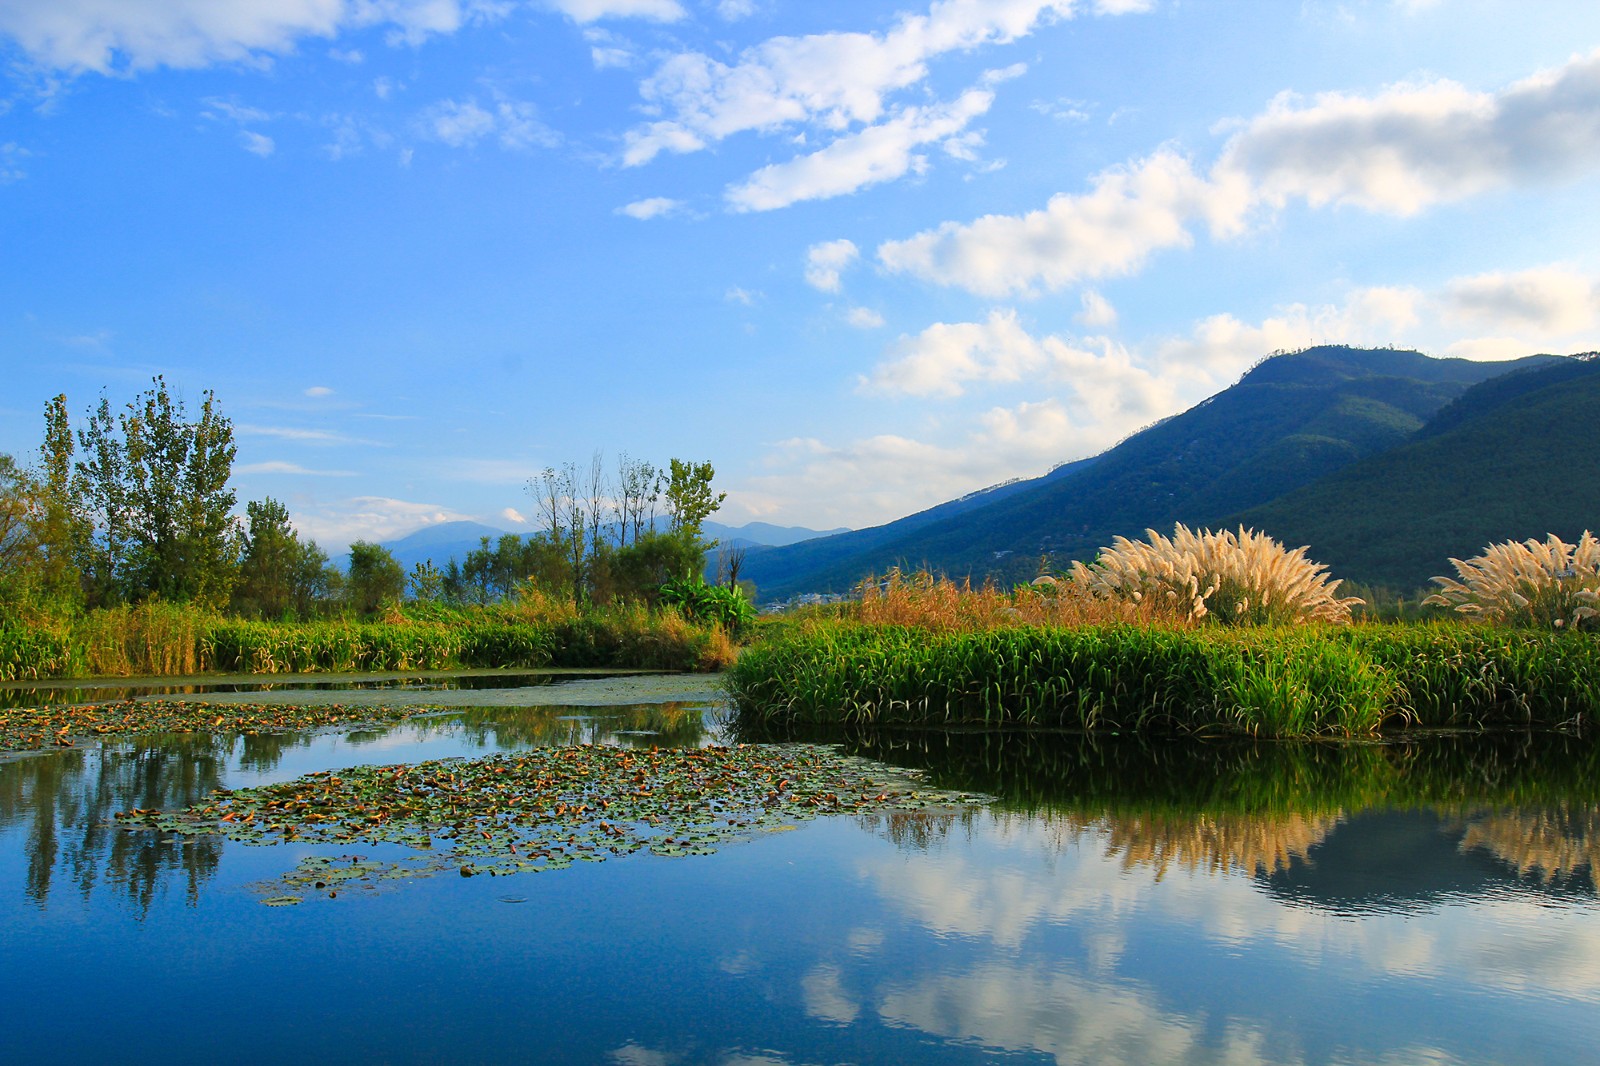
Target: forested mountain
x=1290, y=421
x=1515, y=457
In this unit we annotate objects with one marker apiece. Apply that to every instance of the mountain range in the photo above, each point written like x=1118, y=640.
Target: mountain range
x=1385, y=462
x=453, y=540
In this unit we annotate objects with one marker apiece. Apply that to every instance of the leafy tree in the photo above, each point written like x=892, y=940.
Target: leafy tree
x=63, y=531
x=154, y=485
x=638, y=571
x=639, y=487
x=99, y=492
x=19, y=506
x=690, y=500
x=279, y=573
x=375, y=577
x=426, y=582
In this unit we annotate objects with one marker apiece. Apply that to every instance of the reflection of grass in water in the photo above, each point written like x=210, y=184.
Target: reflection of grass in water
x=1213, y=843
x=30, y=729
x=26, y=729
x=677, y=725
x=1257, y=807
x=1556, y=843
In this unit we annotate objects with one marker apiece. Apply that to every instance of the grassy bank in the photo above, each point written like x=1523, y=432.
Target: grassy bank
x=1300, y=681
x=156, y=639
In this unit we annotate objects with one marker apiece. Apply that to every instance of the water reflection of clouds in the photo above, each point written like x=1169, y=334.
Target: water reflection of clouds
x=637, y=1055
x=1019, y=1008
x=1019, y=877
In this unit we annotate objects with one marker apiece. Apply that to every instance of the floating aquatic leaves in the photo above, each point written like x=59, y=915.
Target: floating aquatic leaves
x=27, y=729
x=546, y=808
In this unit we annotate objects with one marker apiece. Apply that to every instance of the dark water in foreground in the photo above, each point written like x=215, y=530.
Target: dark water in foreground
x=1120, y=903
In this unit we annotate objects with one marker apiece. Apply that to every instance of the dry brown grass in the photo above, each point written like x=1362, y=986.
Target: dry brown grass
x=938, y=604
x=1550, y=584
x=1234, y=578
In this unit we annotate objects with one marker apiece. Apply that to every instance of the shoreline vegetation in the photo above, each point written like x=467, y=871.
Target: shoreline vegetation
x=155, y=639
x=1201, y=632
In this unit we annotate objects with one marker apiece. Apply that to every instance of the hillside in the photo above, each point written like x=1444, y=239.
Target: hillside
x=1291, y=420
x=1515, y=457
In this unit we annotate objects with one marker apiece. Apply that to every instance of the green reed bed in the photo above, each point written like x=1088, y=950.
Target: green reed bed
x=164, y=640
x=1299, y=681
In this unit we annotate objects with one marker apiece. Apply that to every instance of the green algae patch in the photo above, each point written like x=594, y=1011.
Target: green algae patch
x=33, y=728
x=547, y=808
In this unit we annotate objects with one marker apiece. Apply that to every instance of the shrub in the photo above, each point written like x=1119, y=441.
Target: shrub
x=1548, y=585
x=711, y=604
x=1243, y=578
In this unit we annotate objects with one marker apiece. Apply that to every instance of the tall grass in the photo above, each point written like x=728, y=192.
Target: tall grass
x=1243, y=578
x=1550, y=584
x=156, y=639
x=938, y=604
x=1299, y=681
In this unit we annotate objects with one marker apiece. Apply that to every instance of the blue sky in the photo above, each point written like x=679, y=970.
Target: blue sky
x=862, y=256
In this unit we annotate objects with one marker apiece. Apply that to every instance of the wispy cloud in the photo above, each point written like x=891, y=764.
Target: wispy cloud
x=280, y=467
x=300, y=435
x=88, y=35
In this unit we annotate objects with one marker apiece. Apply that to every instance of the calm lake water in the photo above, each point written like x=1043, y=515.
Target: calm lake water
x=1425, y=902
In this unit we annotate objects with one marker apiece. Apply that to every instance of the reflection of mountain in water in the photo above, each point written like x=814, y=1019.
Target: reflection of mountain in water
x=1413, y=859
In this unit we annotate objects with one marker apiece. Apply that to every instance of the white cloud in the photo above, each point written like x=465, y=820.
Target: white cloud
x=1413, y=146
x=1399, y=152
x=831, y=80
x=458, y=124
x=654, y=207
x=1220, y=347
x=318, y=391
x=1546, y=301
x=1129, y=213
x=864, y=318
x=463, y=123
x=733, y=10
x=1097, y=311
x=875, y=154
x=607, y=50
x=374, y=518
x=943, y=358
x=593, y=10
x=511, y=514
x=257, y=143
x=825, y=261
x=92, y=35
x=737, y=295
